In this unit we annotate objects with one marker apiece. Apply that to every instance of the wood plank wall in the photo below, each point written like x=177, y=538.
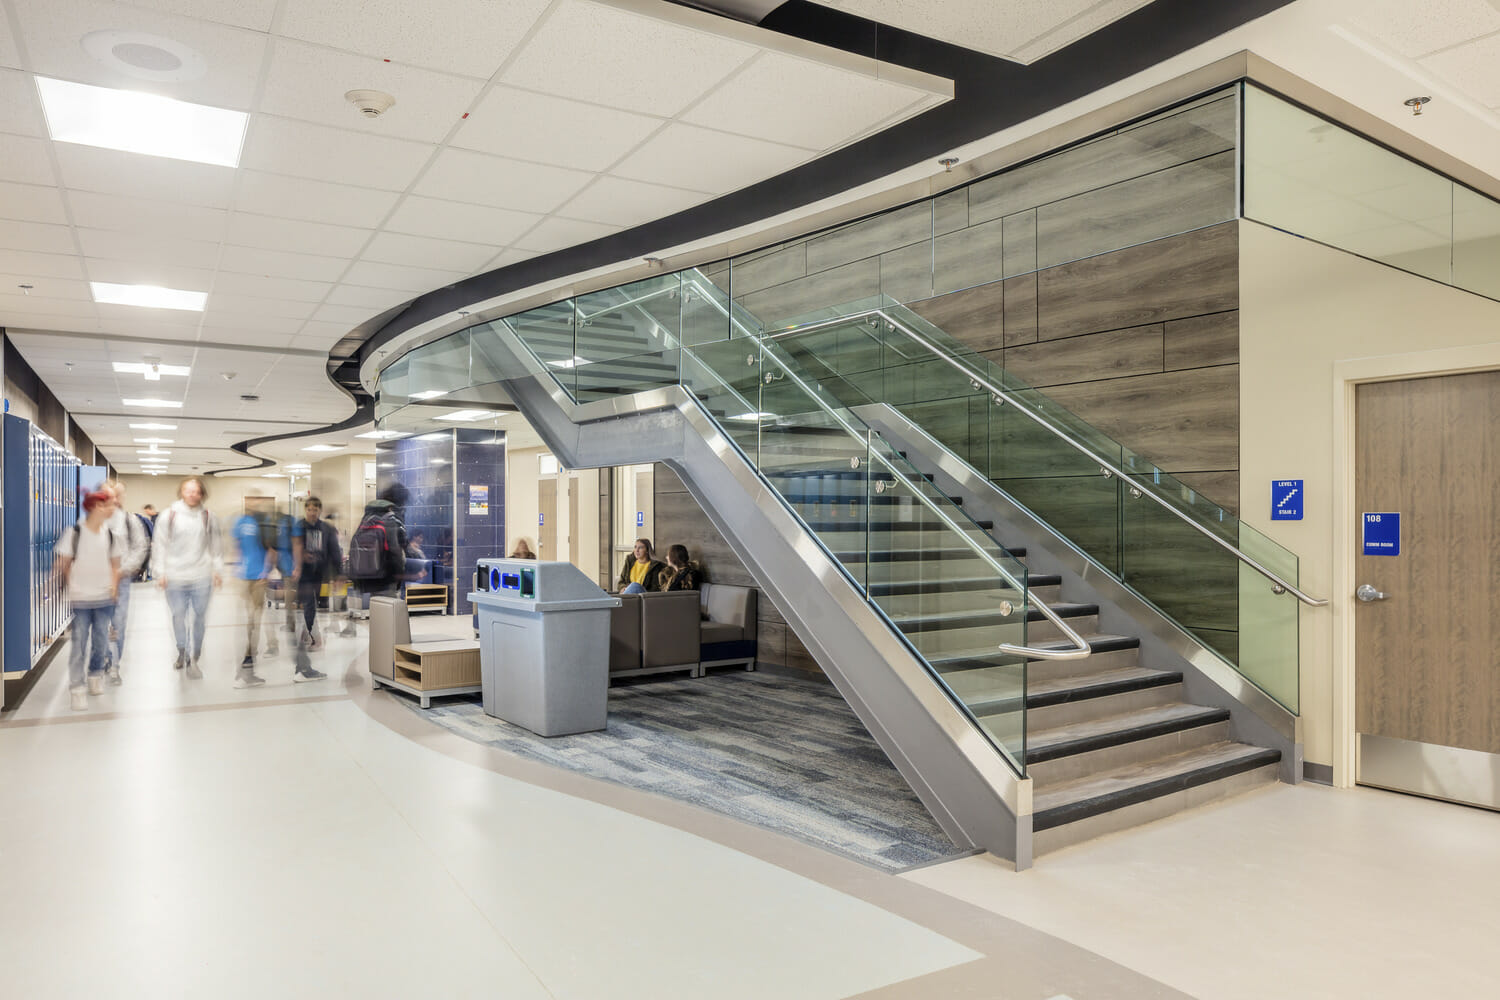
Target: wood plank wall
x=680, y=520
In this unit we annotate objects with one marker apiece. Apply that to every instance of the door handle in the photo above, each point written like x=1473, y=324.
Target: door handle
x=1368, y=593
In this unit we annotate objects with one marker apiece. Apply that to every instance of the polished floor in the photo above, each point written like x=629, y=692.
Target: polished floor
x=320, y=840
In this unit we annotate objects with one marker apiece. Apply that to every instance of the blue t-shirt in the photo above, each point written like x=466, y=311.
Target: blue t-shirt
x=252, y=552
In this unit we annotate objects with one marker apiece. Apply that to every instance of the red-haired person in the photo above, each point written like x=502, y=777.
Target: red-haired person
x=88, y=558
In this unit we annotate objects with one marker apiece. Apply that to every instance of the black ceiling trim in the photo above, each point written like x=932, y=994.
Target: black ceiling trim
x=990, y=94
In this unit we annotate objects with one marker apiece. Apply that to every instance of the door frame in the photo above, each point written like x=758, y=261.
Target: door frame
x=1347, y=375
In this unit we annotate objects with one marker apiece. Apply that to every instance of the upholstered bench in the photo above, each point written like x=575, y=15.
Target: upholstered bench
x=683, y=630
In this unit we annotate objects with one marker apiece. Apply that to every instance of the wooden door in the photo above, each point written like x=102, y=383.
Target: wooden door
x=1427, y=667
x=546, y=498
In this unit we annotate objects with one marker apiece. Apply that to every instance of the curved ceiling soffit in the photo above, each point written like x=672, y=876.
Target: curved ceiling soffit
x=990, y=95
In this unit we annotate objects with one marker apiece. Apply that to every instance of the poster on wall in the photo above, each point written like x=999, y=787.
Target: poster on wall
x=479, y=501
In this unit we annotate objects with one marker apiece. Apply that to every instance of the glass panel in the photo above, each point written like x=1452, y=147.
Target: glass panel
x=632, y=320
x=725, y=376
x=1476, y=242
x=548, y=332
x=1313, y=178
x=436, y=369
x=1268, y=633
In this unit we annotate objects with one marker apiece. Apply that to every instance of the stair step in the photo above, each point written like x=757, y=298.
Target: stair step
x=956, y=586
x=1117, y=730
x=859, y=524
x=981, y=657
x=910, y=555
x=914, y=623
x=1084, y=687
x=1119, y=787
x=1076, y=694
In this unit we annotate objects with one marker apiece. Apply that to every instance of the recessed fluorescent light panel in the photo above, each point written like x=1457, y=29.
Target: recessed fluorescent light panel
x=439, y=436
x=379, y=435
x=153, y=373
x=163, y=403
x=274, y=475
x=323, y=447
x=464, y=416
x=133, y=122
x=154, y=440
x=148, y=297
x=429, y=394
x=153, y=427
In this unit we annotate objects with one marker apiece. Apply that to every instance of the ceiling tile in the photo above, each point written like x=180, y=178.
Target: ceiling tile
x=801, y=103
x=253, y=14
x=160, y=218
x=114, y=244
x=622, y=59
x=409, y=279
x=527, y=126
x=309, y=82
x=459, y=175
x=224, y=325
x=554, y=234
x=24, y=160
x=49, y=265
x=316, y=201
x=32, y=203
x=1081, y=26
x=37, y=237
x=279, y=264
x=14, y=303
x=158, y=324
x=420, y=251
x=275, y=288
x=48, y=287
x=20, y=110
x=109, y=171
x=346, y=317
x=20, y=322
x=618, y=202
x=1472, y=68
x=507, y=257
x=224, y=304
x=138, y=272
x=321, y=335
x=368, y=298
x=385, y=29
x=701, y=159
x=302, y=149
x=53, y=29
x=9, y=55
x=1416, y=29
x=456, y=220
x=269, y=233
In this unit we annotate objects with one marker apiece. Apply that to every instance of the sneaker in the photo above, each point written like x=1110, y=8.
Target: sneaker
x=96, y=683
x=246, y=677
x=248, y=663
x=271, y=648
x=308, y=673
x=113, y=673
x=193, y=673
x=181, y=660
x=80, y=697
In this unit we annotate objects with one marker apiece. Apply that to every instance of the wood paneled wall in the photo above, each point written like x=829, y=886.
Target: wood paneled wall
x=680, y=520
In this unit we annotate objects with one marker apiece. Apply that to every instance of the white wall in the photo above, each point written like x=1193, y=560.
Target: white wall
x=1310, y=316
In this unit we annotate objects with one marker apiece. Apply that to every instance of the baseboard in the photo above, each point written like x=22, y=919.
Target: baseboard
x=1320, y=773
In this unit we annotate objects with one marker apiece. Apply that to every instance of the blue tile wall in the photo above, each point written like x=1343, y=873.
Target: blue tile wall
x=480, y=472
x=425, y=469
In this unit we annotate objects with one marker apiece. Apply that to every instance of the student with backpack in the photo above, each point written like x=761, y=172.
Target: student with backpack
x=377, y=550
x=255, y=533
x=128, y=528
x=187, y=561
x=88, y=558
x=315, y=560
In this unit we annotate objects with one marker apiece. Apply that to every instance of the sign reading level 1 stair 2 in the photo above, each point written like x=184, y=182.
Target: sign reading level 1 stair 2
x=1286, y=499
x=1382, y=533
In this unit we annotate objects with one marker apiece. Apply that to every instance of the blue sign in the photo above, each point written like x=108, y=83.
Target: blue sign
x=541, y=520
x=1286, y=499
x=640, y=519
x=1382, y=534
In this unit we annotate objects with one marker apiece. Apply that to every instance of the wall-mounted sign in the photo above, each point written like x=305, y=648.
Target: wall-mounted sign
x=479, y=501
x=1382, y=533
x=1286, y=499
x=541, y=520
x=640, y=519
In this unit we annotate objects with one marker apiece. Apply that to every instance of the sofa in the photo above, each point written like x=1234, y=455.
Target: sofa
x=683, y=630
x=390, y=626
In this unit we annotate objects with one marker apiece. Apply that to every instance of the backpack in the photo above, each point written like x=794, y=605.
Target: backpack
x=372, y=549
x=269, y=532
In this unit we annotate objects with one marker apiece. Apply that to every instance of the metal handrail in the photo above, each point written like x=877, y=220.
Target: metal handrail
x=1278, y=585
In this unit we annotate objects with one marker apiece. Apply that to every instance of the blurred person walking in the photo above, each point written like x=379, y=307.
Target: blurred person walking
x=130, y=529
x=88, y=558
x=377, y=549
x=255, y=533
x=316, y=558
x=187, y=561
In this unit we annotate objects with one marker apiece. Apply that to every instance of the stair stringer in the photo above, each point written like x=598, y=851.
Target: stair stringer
x=1255, y=717
x=972, y=792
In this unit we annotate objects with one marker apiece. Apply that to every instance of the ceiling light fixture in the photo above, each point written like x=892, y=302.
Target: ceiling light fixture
x=274, y=475
x=464, y=416
x=153, y=427
x=164, y=403
x=379, y=435
x=438, y=436
x=133, y=122
x=154, y=440
x=152, y=370
x=324, y=447
x=429, y=394
x=148, y=296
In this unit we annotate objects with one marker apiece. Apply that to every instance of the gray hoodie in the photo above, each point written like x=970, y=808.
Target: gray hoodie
x=188, y=546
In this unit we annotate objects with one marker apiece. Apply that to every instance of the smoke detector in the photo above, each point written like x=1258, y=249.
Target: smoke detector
x=370, y=103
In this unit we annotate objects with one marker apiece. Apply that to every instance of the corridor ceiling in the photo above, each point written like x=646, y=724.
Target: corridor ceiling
x=520, y=127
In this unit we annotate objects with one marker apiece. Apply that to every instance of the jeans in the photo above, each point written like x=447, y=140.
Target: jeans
x=90, y=639
x=633, y=588
x=255, y=606
x=308, y=586
x=122, y=611
x=182, y=597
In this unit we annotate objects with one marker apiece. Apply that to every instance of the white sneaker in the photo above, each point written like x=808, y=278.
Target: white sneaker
x=113, y=673
x=193, y=673
x=96, y=683
x=80, y=697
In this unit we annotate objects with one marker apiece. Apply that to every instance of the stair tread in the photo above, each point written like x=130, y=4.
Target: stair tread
x=1098, y=642
x=1138, y=782
x=1053, y=689
x=979, y=616
x=903, y=589
x=1045, y=743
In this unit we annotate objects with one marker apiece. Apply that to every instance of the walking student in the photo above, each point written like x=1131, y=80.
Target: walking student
x=187, y=560
x=255, y=534
x=316, y=558
x=88, y=558
x=131, y=530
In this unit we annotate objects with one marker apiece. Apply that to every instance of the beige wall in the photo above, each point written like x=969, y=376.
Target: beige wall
x=522, y=468
x=340, y=483
x=1311, y=318
x=226, y=496
x=520, y=496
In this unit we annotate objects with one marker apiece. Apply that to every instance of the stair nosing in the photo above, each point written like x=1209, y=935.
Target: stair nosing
x=1205, y=716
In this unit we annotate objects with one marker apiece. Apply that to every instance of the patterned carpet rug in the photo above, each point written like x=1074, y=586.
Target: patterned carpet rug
x=783, y=753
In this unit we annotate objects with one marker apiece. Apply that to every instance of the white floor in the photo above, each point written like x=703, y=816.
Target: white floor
x=184, y=838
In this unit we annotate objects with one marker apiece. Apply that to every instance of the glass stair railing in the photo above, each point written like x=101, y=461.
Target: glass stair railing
x=941, y=581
